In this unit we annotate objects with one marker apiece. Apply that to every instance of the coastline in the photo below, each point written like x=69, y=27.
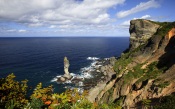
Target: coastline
x=96, y=75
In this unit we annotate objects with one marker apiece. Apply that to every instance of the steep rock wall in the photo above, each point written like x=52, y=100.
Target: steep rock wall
x=150, y=71
x=141, y=31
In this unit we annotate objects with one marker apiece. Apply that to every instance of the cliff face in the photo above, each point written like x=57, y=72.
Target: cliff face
x=171, y=33
x=146, y=71
x=140, y=32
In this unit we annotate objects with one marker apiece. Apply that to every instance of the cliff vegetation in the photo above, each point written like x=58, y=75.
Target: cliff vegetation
x=145, y=71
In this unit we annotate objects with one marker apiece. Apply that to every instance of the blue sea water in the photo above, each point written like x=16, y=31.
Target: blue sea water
x=41, y=59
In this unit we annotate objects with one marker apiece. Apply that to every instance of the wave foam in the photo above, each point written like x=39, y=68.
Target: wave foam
x=93, y=58
x=81, y=76
x=84, y=73
x=54, y=79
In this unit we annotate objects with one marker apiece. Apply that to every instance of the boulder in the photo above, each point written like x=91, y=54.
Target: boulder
x=67, y=76
x=62, y=79
x=112, y=61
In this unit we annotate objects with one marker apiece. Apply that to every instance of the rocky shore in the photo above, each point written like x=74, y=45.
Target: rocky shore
x=99, y=72
x=144, y=71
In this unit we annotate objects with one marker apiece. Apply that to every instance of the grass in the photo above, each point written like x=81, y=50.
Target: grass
x=121, y=63
x=136, y=72
x=167, y=102
x=164, y=84
x=165, y=28
x=151, y=72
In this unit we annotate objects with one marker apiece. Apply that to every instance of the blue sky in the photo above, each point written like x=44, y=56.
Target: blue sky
x=78, y=17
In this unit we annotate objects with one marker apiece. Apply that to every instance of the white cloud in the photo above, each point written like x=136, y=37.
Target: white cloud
x=35, y=24
x=146, y=17
x=55, y=12
x=66, y=26
x=126, y=22
x=11, y=30
x=15, y=30
x=60, y=16
x=52, y=26
x=141, y=7
x=22, y=31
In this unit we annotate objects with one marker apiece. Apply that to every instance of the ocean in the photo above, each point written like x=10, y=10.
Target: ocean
x=41, y=59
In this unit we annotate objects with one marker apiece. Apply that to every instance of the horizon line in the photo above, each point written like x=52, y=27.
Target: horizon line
x=56, y=36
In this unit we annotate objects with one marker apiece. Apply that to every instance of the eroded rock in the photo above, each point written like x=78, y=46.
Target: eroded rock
x=141, y=31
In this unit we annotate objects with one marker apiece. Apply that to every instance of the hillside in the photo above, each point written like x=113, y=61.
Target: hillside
x=146, y=69
x=141, y=77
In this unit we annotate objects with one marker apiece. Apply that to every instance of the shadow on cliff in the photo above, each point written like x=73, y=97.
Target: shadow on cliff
x=166, y=101
x=168, y=59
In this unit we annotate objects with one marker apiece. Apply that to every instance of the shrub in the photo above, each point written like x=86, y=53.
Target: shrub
x=164, y=84
x=151, y=72
x=146, y=103
x=12, y=93
x=167, y=102
x=165, y=27
x=122, y=62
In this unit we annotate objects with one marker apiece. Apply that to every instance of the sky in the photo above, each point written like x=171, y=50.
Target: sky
x=61, y=18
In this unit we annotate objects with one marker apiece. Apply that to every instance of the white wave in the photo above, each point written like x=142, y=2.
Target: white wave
x=87, y=75
x=54, y=79
x=58, y=76
x=93, y=64
x=93, y=58
x=80, y=83
x=68, y=82
x=85, y=72
x=72, y=74
x=106, y=58
x=80, y=76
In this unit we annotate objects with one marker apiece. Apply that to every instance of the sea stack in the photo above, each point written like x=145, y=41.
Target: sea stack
x=66, y=68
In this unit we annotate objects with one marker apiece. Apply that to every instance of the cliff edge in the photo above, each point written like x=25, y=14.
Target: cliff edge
x=141, y=31
x=146, y=70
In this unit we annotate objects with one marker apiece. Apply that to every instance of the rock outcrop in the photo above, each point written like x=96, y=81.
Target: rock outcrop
x=66, y=68
x=141, y=31
x=146, y=71
x=66, y=75
x=171, y=33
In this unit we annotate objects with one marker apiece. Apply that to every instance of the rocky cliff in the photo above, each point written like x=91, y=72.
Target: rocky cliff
x=141, y=31
x=147, y=70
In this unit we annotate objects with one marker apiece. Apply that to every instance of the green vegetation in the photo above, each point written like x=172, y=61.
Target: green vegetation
x=12, y=93
x=162, y=83
x=146, y=103
x=109, y=106
x=136, y=72
x=150, y=72
x=13, y=96
x=165, y=28
x=119, y=102
x=121, y=63
x=167, y=102
x=126, y=59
